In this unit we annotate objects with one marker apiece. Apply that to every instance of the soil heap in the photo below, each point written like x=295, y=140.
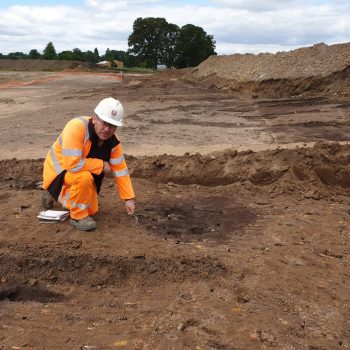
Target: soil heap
x=39, y=65
x=311, y=71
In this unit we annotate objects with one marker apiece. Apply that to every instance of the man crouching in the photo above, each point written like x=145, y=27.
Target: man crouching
x=76, y=164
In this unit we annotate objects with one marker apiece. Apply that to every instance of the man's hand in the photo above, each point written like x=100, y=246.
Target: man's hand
x=106, y=167
x=130, y=206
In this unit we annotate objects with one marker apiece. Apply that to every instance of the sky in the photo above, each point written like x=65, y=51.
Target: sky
x=238, y=26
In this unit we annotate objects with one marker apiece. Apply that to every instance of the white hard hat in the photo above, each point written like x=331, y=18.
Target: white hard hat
x=111, y=111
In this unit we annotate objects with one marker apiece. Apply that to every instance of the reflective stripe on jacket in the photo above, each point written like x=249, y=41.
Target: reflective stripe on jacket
x=70, y=153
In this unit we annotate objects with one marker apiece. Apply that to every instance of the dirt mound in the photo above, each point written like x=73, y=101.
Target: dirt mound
x=320, y=69
x=324, y=164
x=22, y=174
x=39, y=65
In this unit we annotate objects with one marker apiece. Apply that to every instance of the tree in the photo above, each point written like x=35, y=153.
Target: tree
x=151, y=38
x=96, y=53
x=131, y=61
x=34, y=54
x=193, y=46
x=110, y=55
x=16, y=55
x=90, y=57
x=78, y=55
x=66, y=55
x=49, y=52
x=168, y=53
x=107, y=56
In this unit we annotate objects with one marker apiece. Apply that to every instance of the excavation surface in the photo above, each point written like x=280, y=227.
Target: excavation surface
x=241, y=235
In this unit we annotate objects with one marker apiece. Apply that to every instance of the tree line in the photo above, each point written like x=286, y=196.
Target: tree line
x=153, y=41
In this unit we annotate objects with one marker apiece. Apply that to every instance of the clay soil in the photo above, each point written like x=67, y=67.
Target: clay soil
x=241, y=238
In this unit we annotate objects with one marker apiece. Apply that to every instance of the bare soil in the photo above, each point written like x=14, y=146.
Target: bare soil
x=241, y=236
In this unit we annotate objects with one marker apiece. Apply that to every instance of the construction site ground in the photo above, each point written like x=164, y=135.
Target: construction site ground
x=241, y=238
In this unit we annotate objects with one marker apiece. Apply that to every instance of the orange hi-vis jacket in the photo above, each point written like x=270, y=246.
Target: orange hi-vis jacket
x=76, y=149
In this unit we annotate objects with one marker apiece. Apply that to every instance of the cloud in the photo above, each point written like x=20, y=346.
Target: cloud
x=115, y=5
x=254, y=49
x=253, y=5
x=235, y=24
x=284, y=5
x=284, y=27
x=67, y=27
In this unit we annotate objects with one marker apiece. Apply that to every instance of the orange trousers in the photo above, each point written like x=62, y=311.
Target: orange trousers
x=79, y=194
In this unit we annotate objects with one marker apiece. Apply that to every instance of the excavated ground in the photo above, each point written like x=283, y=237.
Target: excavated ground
x=240, y=243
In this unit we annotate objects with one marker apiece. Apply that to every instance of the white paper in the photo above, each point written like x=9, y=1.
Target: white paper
x=58, y=215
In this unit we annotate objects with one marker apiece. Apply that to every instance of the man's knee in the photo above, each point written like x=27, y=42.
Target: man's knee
x=86, y=177
x=83, y=178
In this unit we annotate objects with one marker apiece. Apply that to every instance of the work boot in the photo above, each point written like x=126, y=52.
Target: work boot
x=47, y=200
x=86, y=224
